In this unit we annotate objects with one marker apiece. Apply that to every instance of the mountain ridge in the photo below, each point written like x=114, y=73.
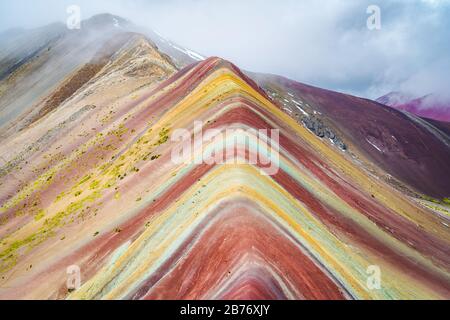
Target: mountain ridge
x=431, y=106
x=96, y=188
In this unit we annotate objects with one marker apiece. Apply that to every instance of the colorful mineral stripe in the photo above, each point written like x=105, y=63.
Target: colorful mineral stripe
x=139, y=226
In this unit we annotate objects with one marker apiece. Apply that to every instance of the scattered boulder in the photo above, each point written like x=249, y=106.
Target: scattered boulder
x=317, y=126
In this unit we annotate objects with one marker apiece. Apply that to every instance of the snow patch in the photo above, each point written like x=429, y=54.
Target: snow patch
x=194, y=55
x=374, y=145
x=190, y=53
x=302, y=111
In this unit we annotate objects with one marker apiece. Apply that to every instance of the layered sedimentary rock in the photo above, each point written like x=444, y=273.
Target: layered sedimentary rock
x=107, y=197
x=410, y=151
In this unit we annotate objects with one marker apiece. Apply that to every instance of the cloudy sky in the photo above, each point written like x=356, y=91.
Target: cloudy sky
x=324, y=43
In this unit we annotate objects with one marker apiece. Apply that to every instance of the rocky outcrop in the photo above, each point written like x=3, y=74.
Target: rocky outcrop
x=314, y=124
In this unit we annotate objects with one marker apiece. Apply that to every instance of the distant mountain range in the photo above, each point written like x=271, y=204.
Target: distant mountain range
x=431, y=106
x=87, y=178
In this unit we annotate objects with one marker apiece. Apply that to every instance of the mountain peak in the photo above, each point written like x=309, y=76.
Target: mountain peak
x=394, y=98
x=430, y=106
x=106, y=20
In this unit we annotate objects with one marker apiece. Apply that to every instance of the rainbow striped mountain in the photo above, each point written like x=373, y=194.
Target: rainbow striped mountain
x=87, y=182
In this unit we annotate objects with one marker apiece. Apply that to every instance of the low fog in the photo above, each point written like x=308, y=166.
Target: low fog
x=323, y=43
